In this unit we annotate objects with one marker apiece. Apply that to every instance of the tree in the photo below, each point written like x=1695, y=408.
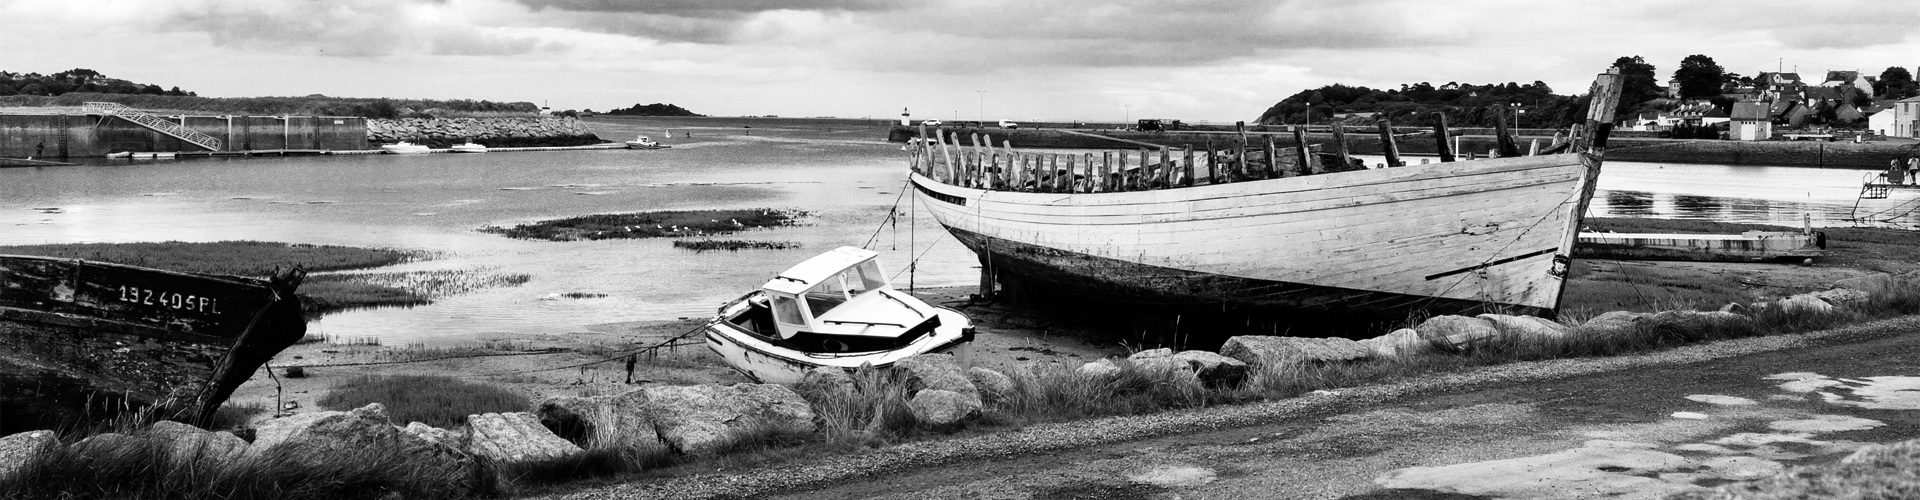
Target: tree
x=1699, y=76
x=1640, y=85
x=1896, y=83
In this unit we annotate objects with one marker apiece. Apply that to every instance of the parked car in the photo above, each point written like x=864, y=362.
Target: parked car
x=1008, y=124
x=931, y=123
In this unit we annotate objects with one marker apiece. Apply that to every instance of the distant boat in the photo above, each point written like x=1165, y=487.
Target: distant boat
x=122, y=154
x=833, y=310
x=78, y=337
x=1277, y=233
x=644, y=142
x=404, y=148
x=469, y=147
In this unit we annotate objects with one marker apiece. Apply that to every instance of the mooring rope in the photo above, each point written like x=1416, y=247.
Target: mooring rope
x=892, y=214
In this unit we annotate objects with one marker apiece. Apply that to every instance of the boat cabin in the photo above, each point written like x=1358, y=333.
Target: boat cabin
x=836, y=302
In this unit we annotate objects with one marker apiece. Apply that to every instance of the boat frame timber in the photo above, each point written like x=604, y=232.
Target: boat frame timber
x=1492, y=235
x=81, y=340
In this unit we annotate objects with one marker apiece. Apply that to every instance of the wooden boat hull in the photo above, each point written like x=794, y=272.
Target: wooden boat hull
x=1457, y=237
x=1748, y=247
x=81, y=340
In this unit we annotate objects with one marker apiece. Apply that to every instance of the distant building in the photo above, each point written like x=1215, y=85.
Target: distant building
x=1882, y=122
x=1751, y=121
x=1854, y=78
x=1906, y=118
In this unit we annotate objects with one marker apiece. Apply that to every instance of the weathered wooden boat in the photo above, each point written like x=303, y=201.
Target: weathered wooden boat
x=1269, y=228
x=1749, y=246
x=83, y=340
x=833, y=310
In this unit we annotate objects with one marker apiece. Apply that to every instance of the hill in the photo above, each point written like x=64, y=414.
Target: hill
x=76, y=80
x=318, y=105
x=655, y=109
x=1465, y=105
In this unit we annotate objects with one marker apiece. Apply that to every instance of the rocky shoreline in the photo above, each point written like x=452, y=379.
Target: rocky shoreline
x=492, y=132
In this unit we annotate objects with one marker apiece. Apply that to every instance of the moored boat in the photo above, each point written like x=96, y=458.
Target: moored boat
x=1271, y=228
x=833, y=310
x=644, y=142
x=468, y=147
x=404, y=148
x=80, y=337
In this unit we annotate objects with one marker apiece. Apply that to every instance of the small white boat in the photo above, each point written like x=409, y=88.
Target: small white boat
x=122, y=154
x=469, y=147
x=644, y=142
x=152, y=156
x=403, y=148
x=834, y=310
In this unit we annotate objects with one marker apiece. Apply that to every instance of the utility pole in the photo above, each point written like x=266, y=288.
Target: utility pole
x=983, y=105
x=1129, y=113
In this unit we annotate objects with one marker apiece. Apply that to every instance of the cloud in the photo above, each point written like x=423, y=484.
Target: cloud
x=350, y=28
x=710, y=9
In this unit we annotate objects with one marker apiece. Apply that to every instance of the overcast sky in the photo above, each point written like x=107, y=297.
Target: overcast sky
x=1218, y=60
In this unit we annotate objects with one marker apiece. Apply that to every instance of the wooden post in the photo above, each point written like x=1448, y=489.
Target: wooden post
x=1606, y=95
x=1120, y=174
x=1502, y=138
x=1240, y=150
x=1304, y=153
x=1165, y=174
x=1187, y=152
x=1443, y=147
x=1273, y=160
x=1387, y=146
x=1213, y=165
x=952, y=173
x=1340, y=144
x=1086, y=182
x=1533, y=148
x=1106, y=166
x=1140, y=179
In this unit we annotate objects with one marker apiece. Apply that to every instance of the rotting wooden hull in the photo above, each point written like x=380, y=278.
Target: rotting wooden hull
x=81, y=339
x=1456, y=237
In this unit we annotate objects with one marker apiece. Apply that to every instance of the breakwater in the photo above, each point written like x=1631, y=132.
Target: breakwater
x=492, y=132
x=80, y=135
x=1366, y=141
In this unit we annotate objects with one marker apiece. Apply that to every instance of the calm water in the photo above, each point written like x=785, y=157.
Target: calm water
x=841, y=170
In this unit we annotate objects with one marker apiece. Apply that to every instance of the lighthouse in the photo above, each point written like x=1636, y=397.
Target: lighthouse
x=905, y=118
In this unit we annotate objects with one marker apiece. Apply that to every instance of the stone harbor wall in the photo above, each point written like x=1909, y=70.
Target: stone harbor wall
x=490, y=132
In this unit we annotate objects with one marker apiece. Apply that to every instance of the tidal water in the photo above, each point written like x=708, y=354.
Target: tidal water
x=840, y=170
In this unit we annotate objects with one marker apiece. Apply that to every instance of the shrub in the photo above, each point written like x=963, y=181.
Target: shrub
x=433, y=400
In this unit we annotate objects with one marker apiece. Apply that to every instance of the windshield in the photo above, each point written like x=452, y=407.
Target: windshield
x=844, y=286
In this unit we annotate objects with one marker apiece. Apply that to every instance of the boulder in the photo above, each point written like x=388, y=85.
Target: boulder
x=697, y=418
x=1612, y=323
x=314, y=439
x=187, y=444
x=614, y=421
x=513, y=438
x=826, y=378
x=1842, y=297
x=17, y=449
x=993, y=386
x=1259, y=351
x=935, y=371
x=1214, y=369
x=938, y=407
x=1876, y=283
x=1099, y=369
x=1525, y=329
x=1152, y=353
x=1456, y=333
x=1805, y=302
x=1398, y=343
x=452, y=439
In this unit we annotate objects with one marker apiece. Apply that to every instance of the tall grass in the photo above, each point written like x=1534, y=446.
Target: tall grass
x=430, y=399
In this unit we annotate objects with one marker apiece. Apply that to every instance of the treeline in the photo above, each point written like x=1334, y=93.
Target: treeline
x=655, y=109
x=309, y=105
x=1421, y=104
x=76, y=80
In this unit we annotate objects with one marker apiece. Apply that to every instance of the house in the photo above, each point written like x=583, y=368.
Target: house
x=1751, y=122
x=1776, y=84
x=1906, y=118
x=1882, y=122
x=1853, y=78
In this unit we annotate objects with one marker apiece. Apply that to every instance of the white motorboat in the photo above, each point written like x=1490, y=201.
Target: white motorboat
x=469, y=147
x=833, y=310
x=644, y=142
x=403, y=148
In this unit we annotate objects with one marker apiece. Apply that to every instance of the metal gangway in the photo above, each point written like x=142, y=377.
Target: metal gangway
x=156, y=123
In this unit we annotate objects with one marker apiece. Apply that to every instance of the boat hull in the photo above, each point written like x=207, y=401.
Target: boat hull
x=80, y=339
x=1457, y=237
x=766, y=363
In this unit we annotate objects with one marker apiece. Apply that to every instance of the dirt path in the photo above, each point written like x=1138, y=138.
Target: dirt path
x=1580, y=428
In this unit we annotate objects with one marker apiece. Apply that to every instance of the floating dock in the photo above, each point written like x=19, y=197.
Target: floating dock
x=319, y=152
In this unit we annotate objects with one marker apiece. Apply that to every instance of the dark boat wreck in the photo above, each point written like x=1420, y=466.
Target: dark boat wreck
x=1272, y=228
x=82, y=340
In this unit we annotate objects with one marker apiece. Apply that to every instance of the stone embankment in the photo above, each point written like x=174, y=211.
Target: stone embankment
x=491, y=132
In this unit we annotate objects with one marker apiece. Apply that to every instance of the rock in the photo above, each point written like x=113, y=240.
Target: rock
x=694, y=419
x=938, y=407
x=1456, y=333
x=935, y=371
x=514, y=437
x=1876, y=283
x=17, y=449
x=1265, y=352
x=1805, y=302
x=452, y=439
x=826, y=378
x=1612, y=323
x=313, y=439
x=1099, y=369
x=1842, y=297
x=1152, y=353
x=1398, y=343
x=1214, y=369
x=187, y=444
x=621, y=421
x=1696, y=320
x=1524, y=329
x=993, y=386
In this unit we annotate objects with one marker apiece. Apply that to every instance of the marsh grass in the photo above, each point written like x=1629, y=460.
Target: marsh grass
x=650, y=224
x=239, y=258
x=434, y=400
x=733, y=245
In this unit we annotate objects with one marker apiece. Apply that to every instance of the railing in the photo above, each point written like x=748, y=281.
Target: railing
x=156, y=123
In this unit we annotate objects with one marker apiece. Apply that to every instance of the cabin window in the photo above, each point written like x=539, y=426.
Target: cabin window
x=786, y=310
x=844, y=286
